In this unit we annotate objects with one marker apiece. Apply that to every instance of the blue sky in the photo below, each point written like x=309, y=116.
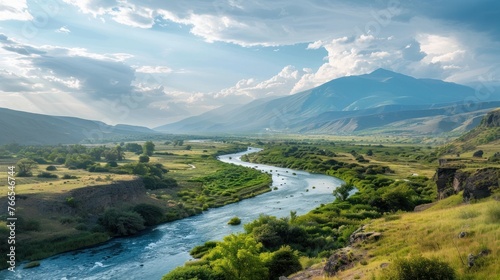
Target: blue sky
x=154, y=62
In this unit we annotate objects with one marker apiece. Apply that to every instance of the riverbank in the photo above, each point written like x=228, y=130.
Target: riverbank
x=167, y=246
x=63, y=214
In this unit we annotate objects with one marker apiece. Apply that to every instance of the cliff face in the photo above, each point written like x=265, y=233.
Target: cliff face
x=476, y=185
x=492, y=119
x=91, y=200
x=95, y=199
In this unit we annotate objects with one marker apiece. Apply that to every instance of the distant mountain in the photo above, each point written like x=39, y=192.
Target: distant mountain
x=382, y=99
x=37, y=129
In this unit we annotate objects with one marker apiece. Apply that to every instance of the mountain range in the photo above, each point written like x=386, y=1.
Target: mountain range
x=379, y=102
x=382, y=101
x=37, y=129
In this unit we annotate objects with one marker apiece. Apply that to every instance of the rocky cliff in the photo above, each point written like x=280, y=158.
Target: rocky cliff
x=475, y=184
x=91, y=200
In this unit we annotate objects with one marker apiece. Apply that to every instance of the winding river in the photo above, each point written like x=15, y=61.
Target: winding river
x=161, y=249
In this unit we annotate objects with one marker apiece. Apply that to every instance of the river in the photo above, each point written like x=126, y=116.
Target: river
x=155, y=252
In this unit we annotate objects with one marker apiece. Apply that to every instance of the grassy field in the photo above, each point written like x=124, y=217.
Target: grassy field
x=434, y=233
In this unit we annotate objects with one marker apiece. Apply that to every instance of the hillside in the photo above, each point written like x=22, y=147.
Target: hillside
x=485, y=135
x=36, y=129
x=382, y=100
x=432, y=233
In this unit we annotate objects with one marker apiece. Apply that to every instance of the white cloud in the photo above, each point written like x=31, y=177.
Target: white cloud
x=14, y=10
x=64, y=30
x=249, y=89
x=153, y=69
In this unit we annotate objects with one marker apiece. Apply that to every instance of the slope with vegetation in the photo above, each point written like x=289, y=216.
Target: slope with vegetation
x=69, y=197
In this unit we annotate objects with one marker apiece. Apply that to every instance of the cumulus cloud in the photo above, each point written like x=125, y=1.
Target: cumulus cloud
x=14, y=10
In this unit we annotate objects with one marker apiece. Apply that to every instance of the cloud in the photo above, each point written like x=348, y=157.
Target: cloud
x=250, y=89
x=153, y=69
x=63, y=30
x=14, y=10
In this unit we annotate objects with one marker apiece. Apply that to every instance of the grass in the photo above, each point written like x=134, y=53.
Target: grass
x=433, y=233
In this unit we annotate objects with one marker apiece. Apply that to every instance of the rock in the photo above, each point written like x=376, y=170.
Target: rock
x=481, y=183
x=384, y=265
x=342, y=259
x=462, y=234
x=471, y=259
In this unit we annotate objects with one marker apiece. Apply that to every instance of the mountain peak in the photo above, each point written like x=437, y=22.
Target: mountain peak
x=383, y=72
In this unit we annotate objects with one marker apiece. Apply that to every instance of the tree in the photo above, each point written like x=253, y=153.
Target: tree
x=283, y=263
x=237, y=257
x=143, y=158
x=148, y=148
x=342, y=192
x=478, y=153
x=25, y=166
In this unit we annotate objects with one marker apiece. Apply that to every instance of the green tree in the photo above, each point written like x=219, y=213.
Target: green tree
x=143, y=158
x=237, y=258
x=25, y=166
x=148, y=148
x=342, y=192
x=283, y=263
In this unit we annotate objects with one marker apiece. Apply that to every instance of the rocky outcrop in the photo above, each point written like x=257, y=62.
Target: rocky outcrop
x=95, y=199
x=481, y=183
x=449, y=181
x=476, y=185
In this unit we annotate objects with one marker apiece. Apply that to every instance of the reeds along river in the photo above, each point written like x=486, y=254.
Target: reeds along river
x=158, y=251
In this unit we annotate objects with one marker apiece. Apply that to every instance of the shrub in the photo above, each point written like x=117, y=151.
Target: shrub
x=67, y=177
x=51, y=168
x=283, y=263
x=122, y=223
x=193, y=272
x=144, y=159
x=419, y=268
x=478, y=153
x=234, y=221
x=151, y=214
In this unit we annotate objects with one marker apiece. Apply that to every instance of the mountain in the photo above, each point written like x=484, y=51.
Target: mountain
x=37, y=129
x=381, y=99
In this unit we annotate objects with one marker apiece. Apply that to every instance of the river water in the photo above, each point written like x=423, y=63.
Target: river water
x=158, y=251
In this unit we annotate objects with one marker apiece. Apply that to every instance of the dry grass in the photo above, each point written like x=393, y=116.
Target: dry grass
x=434, y=233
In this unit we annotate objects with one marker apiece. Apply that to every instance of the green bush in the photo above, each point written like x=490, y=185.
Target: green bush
x=419, y=268
x=283, y=263
x=234, y=221
x=51, y=168
x=152, y=214
x=122, y=223
x=193, y=272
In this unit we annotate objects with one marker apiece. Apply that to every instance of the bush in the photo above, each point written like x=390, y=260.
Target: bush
x=67, y=177
x=234, y=221
x=419, y=268
x=151, y=214
x=144, y=159
x=193, y=272
x=122, y=223
x=283, y=263
x=51, y=168
x=478, y=153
